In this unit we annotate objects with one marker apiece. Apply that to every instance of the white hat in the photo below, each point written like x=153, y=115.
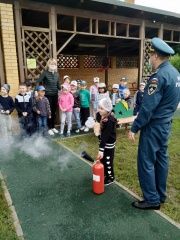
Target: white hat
x=142, y=84
x=66, y=76
x=106, y=104
x=74, y=83
x=115, y=86
x=96, y=79
x=101, y=85
x=66, y=86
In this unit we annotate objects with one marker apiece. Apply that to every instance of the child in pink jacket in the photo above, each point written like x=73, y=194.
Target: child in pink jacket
x=66, y=103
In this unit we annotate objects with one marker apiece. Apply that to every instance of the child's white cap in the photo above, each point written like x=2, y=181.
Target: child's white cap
x=96, y=79
x=74, y=83
x=66, y=76
x=115, y=86
x=65, y=86
x=142, y=84
x=101, y=85
x=106, y=104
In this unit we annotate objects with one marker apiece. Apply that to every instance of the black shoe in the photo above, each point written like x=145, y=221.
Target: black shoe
x=144, y=206
x=108, y=181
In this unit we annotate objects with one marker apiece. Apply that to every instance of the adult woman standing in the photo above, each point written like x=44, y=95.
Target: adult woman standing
x=50, y=80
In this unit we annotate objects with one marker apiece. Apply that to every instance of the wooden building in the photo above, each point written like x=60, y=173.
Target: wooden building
x=104, y=38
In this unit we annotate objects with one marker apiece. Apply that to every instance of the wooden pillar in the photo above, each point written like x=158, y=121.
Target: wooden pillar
x=17, y=16
x=2, y=76
x=9, y=46
x=141, y=52
x=53, y=22
x=106, y=71
x=160, y=32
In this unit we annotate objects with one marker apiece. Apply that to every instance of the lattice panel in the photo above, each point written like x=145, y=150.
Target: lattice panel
x=94, y=62
x=126, y=62
x=37, y=46
x=147, y=71
x=146, y=68
x=68, y=61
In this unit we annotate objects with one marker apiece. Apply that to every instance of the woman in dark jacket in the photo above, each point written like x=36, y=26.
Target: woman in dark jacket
x=50, y=80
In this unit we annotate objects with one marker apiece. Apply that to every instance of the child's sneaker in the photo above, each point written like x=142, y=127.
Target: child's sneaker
x=86, y=129
x=68, y=134
x=108, y=181
x=82, y=128
x=50, y=132
x=61, y=135
x=77, y=131
x=54, y=130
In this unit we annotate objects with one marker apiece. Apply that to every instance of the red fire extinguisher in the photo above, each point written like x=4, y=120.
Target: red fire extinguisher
x=98, y=177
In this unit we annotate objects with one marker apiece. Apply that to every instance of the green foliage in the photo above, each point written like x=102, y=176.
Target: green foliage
x=177, y=49
x=126, y=166
x=175, y=61
x=6, y=225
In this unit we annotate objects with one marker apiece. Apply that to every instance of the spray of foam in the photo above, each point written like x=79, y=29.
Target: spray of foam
x=36, y=147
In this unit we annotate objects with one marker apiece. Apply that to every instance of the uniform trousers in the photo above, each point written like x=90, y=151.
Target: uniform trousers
x=153, y=161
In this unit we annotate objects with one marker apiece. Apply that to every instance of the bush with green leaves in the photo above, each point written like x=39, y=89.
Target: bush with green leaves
x=175, y=61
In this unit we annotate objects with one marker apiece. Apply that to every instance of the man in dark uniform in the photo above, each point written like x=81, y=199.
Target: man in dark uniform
x=161, y=98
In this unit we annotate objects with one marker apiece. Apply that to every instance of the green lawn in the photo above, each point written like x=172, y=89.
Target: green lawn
x=7, y=231
x=125, y=164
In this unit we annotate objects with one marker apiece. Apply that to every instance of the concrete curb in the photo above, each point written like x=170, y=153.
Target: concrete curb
x=14, y=216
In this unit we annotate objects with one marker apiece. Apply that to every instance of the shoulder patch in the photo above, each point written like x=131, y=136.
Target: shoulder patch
x=154, y=80
x=152, y=88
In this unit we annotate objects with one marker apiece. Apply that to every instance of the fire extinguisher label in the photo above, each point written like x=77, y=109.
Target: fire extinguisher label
x=96, y=178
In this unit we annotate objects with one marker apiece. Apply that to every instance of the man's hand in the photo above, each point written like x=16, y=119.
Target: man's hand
x=131, y=136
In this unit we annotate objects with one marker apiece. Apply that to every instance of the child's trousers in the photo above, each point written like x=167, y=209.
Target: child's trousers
x=66, y=116
x=107, y=161
x=5, y=125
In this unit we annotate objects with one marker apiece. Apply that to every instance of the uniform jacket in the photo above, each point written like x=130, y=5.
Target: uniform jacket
x=161, y=97
x=50, y=81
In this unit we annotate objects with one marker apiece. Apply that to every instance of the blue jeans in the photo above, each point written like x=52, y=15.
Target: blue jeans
x=42, y=122
x=77, y=117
